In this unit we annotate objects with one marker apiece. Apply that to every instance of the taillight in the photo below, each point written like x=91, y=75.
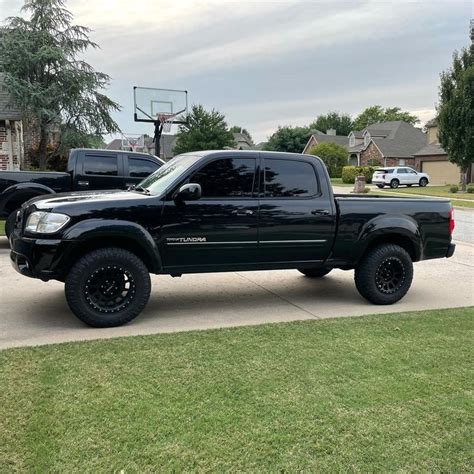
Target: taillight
x=383, y=176
x=451, y=221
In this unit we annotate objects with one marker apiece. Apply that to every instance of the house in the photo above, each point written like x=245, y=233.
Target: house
x=11, y=132
x=432, y=159
x=242, y=142
x=381, y=144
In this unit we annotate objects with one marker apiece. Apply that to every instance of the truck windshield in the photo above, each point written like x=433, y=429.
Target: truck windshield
x=159, y=181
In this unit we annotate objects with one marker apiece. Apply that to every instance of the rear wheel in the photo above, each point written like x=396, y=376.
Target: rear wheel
x=385, y=274
x=314, y=272
x=380, y=186
x=108, y=287
x=423, y=182
x=394, y=183
x=10, y=223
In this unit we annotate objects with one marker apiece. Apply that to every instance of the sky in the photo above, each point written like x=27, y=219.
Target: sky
x=270, y=63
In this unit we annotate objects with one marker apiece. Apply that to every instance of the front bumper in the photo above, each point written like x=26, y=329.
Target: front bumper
x=451, y=249
x=36, y=258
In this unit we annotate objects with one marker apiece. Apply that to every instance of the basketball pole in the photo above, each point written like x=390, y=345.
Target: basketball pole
x=157, y=137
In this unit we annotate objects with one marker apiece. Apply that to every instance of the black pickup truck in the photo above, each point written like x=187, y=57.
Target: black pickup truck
x=87, y=169
x=220, y=211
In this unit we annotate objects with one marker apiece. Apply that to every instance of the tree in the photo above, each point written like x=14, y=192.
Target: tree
x=46, y=77
x=333, y=155
x=243, y=131
x=456, y=111
x=377, y=114
x=204, y=131
x=342, y=123
x=289, y=139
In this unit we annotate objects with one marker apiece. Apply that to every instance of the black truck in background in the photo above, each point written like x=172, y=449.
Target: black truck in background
x=88, y=169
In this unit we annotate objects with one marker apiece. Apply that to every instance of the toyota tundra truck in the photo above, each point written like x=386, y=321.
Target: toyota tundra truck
x=223, y=211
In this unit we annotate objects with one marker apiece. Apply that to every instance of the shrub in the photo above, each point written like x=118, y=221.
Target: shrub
x=349, y=173
x=366, y=190
x=333, y=155
x=454, y=189
x=470, y=189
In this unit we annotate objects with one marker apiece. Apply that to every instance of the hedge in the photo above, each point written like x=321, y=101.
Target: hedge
x=349, y=173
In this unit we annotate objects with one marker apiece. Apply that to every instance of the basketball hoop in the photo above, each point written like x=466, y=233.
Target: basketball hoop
x=166, y=120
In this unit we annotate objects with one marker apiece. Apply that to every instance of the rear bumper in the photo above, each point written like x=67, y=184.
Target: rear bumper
x=451, y=249
x=35, y=258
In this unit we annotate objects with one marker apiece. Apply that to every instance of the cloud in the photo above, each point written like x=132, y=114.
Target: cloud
x=265, y=63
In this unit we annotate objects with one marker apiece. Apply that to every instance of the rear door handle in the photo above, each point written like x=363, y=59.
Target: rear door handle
x=320, y=212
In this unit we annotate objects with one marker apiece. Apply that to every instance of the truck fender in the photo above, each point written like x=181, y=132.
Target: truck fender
x=111, y=230
x=20, y=193
x=390, y=227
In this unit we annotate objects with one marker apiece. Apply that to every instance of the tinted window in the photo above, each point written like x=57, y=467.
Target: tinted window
x=285, y=178
x=138, y=168
x=230, y=177
x=101, y=165
x=401, y=171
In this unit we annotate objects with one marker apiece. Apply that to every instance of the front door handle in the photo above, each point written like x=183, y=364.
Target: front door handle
x=83, y=183
x=320, y=212
x=242, y=212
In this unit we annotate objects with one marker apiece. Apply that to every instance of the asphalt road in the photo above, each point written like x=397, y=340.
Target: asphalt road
x=35, y=313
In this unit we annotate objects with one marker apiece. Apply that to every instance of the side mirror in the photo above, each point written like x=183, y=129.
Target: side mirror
x=189, y=192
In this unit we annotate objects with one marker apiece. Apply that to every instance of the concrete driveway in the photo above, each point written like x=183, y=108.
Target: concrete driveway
x=34, y=313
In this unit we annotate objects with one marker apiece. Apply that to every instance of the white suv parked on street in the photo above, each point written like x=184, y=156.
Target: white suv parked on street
x=394, y=177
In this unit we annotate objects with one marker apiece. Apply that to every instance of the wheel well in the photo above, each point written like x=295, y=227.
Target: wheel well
x=397, y=239
x=103, y=242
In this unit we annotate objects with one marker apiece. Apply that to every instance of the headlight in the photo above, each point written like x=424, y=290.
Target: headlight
x=45, y=222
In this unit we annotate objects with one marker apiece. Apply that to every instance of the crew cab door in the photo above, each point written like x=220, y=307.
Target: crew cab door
x=297, y=211
x=220, y=229
x=96, y=170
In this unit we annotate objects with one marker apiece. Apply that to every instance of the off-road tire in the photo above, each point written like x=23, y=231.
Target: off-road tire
x=369, y=281
x=423, y=182
x=394, y=183
x=96, y=264
x=314, y=272
x=10, y=223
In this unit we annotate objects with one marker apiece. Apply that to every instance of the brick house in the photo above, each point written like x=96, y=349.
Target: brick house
x=380, y=144
x=11, y=132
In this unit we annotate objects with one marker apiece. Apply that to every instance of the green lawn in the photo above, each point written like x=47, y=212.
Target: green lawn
x=2, y=227
x=338, y=182
x=440, y=191
x=371, y=394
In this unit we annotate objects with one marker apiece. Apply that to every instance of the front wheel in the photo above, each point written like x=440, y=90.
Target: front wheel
x=10, y=223
x=385, y=274
x=108, y=287
x=423, y=182
x=314, y=272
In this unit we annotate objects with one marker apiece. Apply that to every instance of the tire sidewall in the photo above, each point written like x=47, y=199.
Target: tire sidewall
x=423, y=182
x=81, y=271
x=365, y=274
x=394, y=183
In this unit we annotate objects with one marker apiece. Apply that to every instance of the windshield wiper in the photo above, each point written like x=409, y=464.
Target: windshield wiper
x=140, y=189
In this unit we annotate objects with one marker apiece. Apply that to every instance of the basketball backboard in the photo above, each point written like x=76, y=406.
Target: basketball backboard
x=132, y=142
x=150, y=104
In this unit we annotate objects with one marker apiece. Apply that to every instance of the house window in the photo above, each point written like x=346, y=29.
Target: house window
x=366, y=138
x=352, y=140
x=402, y=162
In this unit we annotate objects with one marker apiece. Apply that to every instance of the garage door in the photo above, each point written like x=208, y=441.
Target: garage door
x=441, y=172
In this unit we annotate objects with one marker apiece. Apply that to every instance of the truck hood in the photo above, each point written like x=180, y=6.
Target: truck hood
x=75, y=204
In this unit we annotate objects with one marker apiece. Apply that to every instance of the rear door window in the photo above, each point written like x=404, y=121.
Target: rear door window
x=101, y=165
x=141, y=167
x=289, y=179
